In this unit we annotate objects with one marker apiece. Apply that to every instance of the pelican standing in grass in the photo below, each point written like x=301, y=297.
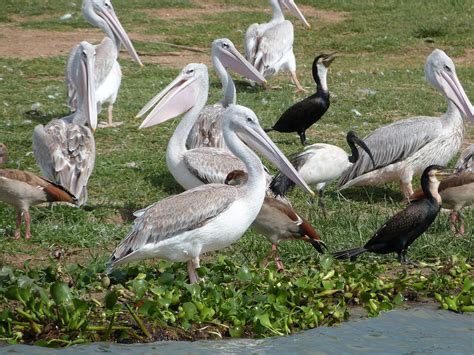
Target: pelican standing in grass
x=400, y=231
x=269, y=46
x=207, y=131
x=108, y=74
x=405, y=148
x=65, y=148
x=198, y=166
x=319, y=164
x=209, y=217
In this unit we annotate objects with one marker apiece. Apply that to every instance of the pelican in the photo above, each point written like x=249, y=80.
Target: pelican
x=400, y=231
x=23, y=189
x=197, y=166
x=108, y=74
x=209, y=217
x=405, y=148
x=65, y=148
x=269, y=46
x=319, y=164
x=207, y=131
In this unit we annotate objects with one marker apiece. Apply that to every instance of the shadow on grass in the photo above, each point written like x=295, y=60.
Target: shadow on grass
x=373, y=194
x=164, y=181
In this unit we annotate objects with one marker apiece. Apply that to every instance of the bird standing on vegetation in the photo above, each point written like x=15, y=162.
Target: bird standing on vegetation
x=65, y=148
x=207, y=130
x=400, y=231
x=302, y=115
x=108, y=74
x=209, y=217
x=278, y=222
x=22, y=189
x=319, y=164
x=269, y=46
x=405, y=148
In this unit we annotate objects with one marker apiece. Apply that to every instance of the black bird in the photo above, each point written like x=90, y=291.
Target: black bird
x=400, y=231
x=299, y=117
x=319, y=164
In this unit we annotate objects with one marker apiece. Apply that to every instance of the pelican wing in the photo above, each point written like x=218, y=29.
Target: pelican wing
x=65, y=152
x=207, y=130
x=393, y=143
x=175, y=215
x=106, y=56
x=252, y=39
x=275, y=43
x=211, y=165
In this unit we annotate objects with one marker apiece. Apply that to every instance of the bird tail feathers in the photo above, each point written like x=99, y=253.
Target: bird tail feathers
x=349, y=253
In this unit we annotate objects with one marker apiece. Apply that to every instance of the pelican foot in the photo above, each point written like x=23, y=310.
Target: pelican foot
x=300, y=90
x=104, y=124
x=16, y=236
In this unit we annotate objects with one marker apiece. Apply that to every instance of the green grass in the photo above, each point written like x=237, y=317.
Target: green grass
x=382, y=46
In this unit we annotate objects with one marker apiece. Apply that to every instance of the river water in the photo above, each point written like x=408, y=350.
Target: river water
x=423, y=330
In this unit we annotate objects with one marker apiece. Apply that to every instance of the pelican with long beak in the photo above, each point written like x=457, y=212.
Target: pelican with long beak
x=269, y=46
x=207, y=131
x=108, y=74
x=209, y=217
x=65, y=148
x=405, y=148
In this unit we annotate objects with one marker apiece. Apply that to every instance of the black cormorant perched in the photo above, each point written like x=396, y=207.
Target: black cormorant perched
x=299, y=117
x=400, y=231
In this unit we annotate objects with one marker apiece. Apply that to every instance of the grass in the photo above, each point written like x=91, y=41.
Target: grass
x=382, y=47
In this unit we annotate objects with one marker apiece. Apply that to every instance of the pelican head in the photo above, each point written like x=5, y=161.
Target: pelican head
x=243, y=122
x=294, y=10
x=441, y=73
x=101, y=13
x=179, y=96
x=86, y=84
x=225, y=52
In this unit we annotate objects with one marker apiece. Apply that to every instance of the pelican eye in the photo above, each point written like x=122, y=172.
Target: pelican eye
x=448, y=69
x=249, y=119
x=84, y=54
x=107, y=5
x=225, y=45
x=190, y=71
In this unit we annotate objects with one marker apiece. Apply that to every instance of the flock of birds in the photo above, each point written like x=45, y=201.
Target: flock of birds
x=211, y=153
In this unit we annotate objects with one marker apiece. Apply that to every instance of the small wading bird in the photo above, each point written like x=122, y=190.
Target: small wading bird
x=319, y=164
x=457, y=192
x=278, y=222
x=269, y=46
x=404, y=148
x=400, y=231
x=108, y=74
x=207, y=131
x=22, y=189
x=302, y=115
x=209, y=217
x=65, y=148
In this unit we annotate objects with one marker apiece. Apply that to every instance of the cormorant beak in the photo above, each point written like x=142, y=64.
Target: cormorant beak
x=443, y=174
x=328, y=58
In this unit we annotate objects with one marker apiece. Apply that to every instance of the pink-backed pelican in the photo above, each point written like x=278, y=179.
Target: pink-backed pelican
x=65, y=148
x=405, y=148
x=269, y=46
x=209, y=217
x=108, y=74
x=207, y=131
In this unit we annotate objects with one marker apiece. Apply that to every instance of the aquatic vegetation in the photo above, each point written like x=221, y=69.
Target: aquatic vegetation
x=63, y=305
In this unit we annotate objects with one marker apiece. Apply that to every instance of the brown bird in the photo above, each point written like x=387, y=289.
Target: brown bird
x=3, y=154
x=279, y=222
x=457, y=192
x=22, y=189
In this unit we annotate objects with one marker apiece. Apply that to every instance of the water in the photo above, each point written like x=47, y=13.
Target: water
x=415, y=331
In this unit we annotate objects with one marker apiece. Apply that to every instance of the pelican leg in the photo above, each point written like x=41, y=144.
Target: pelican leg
x=295, y=80
x=192, y=265
x=278, y=262
x=18, y=224
x=406, y=188
x=27, y=225
x=321, y=203
x=457, y=228
x=109, y=123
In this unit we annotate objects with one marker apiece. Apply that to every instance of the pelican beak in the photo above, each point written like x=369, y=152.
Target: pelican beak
x=328, y=58
x=177, y=98
x=107, y=13
x=86, y=86
x=454, y=91
x=295, y=11
x=362, y=144
x=257, y=139
x=231, y=58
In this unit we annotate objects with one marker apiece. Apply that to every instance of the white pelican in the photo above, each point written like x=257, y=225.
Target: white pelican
x=23, y=189
x=197, y=166
x=207, y=131
x=65, y=148
x=405, y=148
x=107, y=71
x=209, y=217
x=319, y=164
x=269, y=46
